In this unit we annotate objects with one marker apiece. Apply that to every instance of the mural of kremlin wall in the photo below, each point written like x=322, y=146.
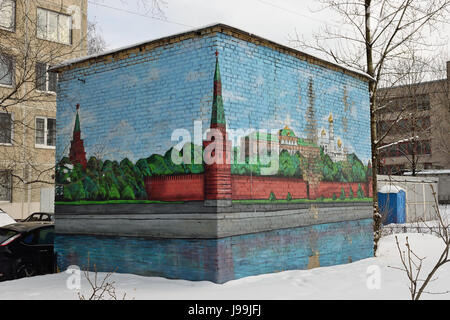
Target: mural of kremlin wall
x=289, y=136
x=315, y=163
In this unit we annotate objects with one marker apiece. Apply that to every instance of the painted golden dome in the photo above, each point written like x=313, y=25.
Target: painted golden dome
x=330, y=119
x=323, y=133
x=339, y=142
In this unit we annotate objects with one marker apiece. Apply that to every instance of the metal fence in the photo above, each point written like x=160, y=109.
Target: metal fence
x=420, y=201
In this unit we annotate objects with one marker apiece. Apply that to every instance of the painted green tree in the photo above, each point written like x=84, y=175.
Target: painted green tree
x=360, y=192
x=342, y=196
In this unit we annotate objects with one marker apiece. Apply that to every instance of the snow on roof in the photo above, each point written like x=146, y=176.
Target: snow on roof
x=217, y=24
x=390, y=188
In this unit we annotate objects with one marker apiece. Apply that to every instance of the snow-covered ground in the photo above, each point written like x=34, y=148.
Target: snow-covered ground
x=357, y=280
x=428, y=227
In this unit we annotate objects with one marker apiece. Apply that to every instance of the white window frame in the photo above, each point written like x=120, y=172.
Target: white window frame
x=43, y=146
x=10, y=186
x=47, y=80
x=12, y=130
x=46, y=37
x=13, y=17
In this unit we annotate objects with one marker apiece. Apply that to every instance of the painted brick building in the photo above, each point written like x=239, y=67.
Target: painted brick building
x=132, y=206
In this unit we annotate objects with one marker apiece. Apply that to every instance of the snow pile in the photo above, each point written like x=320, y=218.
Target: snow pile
x=426, y=227
x=389, y=188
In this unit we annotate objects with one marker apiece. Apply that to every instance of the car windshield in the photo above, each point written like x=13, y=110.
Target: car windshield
x=46, y=217
x=34, y=217
x=5, y=234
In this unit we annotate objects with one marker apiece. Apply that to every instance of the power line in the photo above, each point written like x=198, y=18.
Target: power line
x=139, y=14
x=290, y=11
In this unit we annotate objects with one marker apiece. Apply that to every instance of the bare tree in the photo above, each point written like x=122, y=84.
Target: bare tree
x=412, y=264
x=95, y=42
x=423, y=110
x=155, y=7
x=28, y=49
x=409, y=134
x=373, y=36
x=151, y=8
x=103, y=289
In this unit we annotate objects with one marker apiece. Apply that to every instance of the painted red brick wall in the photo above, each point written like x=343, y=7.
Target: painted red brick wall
x=326, y=189
x=187, y=187
x=190, y=187
x=246, y=187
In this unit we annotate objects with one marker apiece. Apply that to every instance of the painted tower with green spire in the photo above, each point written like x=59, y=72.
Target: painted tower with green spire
x=217, y=151
x=77, y=153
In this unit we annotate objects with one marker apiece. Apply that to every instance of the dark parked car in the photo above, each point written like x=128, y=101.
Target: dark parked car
x=26, y=249
x=39, y=216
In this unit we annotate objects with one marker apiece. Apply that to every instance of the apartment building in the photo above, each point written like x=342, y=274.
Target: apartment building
x=34, y=35
x=415, y=120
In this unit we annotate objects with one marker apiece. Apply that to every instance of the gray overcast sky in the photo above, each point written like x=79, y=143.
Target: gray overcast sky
x=271, y=19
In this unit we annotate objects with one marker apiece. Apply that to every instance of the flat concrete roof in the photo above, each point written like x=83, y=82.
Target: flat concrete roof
x=217, y=27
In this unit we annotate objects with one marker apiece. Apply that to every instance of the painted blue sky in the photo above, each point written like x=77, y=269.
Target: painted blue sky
x=132, y=112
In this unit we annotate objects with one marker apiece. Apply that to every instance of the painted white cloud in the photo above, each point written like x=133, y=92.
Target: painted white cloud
x=231, y=96
x=195, y=75
x=153, y=74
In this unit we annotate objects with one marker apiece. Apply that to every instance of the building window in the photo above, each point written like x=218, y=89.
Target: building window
x=428, y=165
x=425, y=147
x=45, y=132
x=45, y=81
x=7, y=14
x=5, y=185
x=423, y=102
x=5, y=128
x=54, y=26
x=6, y=70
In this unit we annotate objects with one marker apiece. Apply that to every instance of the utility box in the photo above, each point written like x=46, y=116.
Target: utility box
x=392, y=204
x=211, y=155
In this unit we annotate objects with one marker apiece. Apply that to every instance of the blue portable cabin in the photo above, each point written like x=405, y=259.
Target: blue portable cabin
x=392, y=204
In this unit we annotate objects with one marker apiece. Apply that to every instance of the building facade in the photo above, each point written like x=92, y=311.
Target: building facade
x=163, y=193
x=416, y=126
x=34, y=35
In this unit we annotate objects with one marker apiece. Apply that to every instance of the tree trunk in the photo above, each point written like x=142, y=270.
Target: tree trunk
x=376, y=214
x=373, y=126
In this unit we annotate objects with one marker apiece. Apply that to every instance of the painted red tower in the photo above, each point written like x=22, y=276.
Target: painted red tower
x=77, y=153
x=217, y=151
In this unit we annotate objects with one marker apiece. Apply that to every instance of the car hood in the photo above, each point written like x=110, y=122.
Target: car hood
x=27, y=226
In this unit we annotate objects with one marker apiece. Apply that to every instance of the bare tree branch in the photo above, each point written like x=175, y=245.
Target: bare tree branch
x=398, y=25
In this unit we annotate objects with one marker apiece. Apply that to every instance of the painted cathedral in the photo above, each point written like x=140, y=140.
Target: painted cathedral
x=335, y=149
